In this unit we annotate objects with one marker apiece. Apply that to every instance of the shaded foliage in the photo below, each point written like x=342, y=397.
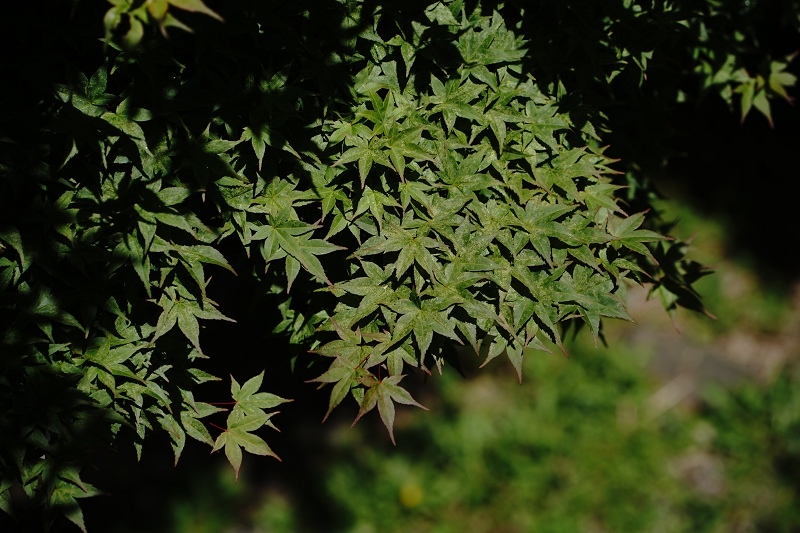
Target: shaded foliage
x=392, y=178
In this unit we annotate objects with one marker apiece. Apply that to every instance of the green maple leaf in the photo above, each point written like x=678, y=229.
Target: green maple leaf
x=497, y=119
x=444, y=214
x=349, y=132
x=625, y=232
x=329, y=193
x=493, y=215
x=440, y=13
x=539, y=219
x=246, y=417
x=544, y=292
x=193, y=426
x=492, y=44
x=601, y=195
x=365, y=153
x=239, y=435
x=249, y=401
x=453, y=99
x=184, y=312
x=388, y=143
x=384, y=393
x=593, y=293
x=423, y=319
x=564, y=170
x=5, y=496
x=279, y=198
x=416, y=190
x=350, y=353
x=544, y=121
x=373, y=292
x=412, y=247
x=513, y=348
x=68, y=488
x=375, y=202
x=195, y=6
x=343, y=374
x=176, y=433
x=383, y=113
x=466, y=174
x=291, y=236
x=405, y=143
x=192, y=256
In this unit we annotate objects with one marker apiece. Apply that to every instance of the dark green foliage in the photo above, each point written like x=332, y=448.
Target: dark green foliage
x=394, y=177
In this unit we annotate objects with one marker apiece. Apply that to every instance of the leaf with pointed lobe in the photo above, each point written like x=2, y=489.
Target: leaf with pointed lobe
x=250, y=401
x=625, y=232
x=195, y=6
x=385, y=393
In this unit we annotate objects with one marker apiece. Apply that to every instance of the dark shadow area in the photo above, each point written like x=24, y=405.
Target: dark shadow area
x=744, y=174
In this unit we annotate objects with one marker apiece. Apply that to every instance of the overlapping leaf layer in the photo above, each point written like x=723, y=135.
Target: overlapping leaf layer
x=399, y=179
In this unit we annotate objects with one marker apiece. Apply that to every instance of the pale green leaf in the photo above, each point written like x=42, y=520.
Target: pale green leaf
x=196, y=6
